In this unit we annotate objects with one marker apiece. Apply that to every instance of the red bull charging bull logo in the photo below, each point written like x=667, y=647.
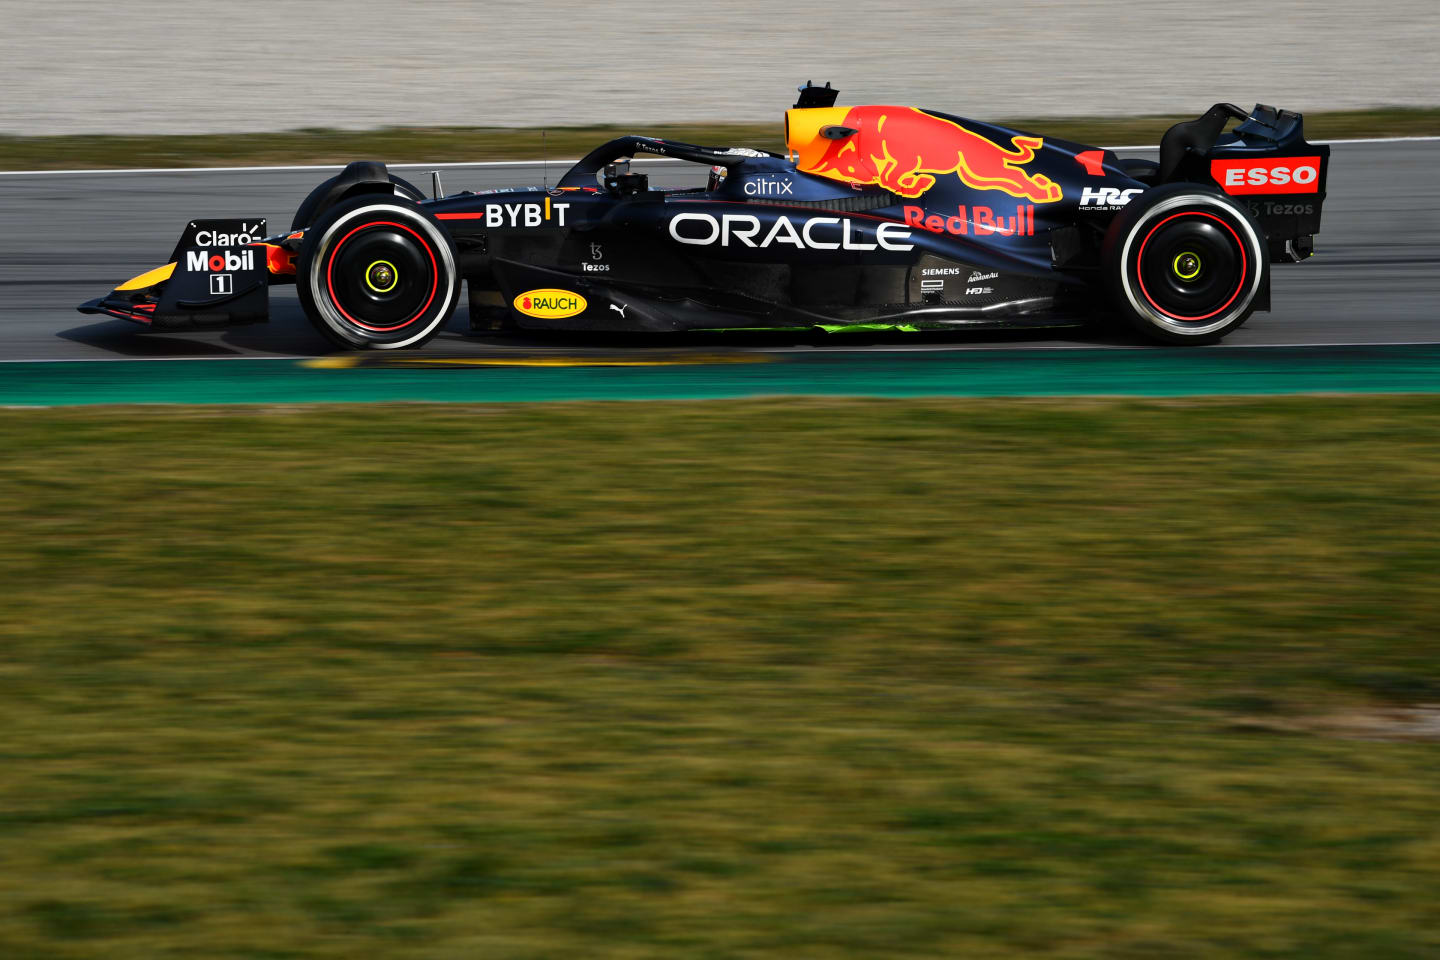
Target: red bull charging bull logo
x=904, y=149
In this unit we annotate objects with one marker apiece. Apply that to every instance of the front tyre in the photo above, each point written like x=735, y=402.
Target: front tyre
x=1184, y=264
x=378, y=273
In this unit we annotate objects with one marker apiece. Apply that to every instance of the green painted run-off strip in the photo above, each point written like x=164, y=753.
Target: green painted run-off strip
x=1000, y=373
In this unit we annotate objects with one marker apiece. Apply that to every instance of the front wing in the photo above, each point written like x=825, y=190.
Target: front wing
x=219, y=275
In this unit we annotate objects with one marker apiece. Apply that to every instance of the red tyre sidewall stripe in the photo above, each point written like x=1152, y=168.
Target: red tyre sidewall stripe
x=1140, y=258
x=330, y=276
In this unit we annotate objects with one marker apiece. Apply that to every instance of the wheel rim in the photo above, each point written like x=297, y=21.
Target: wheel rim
x=382, y=276
x=1192, y=267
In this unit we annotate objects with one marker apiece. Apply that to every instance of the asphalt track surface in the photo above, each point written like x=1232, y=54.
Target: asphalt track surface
x=69, y=237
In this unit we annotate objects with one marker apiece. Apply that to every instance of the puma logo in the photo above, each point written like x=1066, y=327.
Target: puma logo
x=620, y=309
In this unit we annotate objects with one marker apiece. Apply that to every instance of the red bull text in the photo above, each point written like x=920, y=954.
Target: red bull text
x=977, y=221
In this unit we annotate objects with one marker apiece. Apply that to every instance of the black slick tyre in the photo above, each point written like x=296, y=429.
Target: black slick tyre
x=378, y=273
x=1185, y=264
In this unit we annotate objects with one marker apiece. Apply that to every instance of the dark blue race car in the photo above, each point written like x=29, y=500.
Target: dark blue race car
x=877, y=217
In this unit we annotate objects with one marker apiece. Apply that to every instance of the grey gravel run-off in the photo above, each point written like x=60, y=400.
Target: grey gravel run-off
x=146, y=66
x=67, y=238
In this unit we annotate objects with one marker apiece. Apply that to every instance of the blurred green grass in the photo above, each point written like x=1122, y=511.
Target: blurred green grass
x=473, y=144
x=829, y=678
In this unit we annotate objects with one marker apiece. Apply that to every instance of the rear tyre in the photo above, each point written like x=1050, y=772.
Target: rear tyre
x=1184, y=264
x=378, y=273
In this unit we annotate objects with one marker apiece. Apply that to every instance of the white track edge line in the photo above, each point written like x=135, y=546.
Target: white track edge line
x=313, y=166
x=509, y=163
x=562, y=166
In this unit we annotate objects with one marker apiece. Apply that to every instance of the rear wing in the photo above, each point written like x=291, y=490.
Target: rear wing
x=1265, y=163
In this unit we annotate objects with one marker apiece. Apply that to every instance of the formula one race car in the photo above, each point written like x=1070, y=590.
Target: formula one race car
x=878, y=217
